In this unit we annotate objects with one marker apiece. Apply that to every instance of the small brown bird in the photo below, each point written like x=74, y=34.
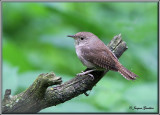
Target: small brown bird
x=94, y=54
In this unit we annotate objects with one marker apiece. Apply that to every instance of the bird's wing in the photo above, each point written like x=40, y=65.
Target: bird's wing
x=100, y=57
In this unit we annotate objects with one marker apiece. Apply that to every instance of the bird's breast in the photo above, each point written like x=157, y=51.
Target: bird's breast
x=85, y=62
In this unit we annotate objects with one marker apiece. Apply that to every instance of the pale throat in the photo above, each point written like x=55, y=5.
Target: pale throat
x=84, y=61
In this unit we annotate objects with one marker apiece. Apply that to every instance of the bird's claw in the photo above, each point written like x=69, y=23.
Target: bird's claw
x=91, y=76
x=83, y=73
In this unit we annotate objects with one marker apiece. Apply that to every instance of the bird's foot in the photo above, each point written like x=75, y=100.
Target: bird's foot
x=86, y=73
x=91, y=76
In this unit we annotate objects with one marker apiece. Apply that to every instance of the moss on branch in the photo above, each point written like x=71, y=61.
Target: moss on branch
x=39, y=95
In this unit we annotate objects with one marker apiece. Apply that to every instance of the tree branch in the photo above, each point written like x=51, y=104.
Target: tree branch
x=39, y=95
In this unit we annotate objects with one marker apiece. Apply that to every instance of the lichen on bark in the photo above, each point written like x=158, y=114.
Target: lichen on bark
x=39, y=95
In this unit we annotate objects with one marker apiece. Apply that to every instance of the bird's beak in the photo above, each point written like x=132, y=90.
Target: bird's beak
x=72, y=36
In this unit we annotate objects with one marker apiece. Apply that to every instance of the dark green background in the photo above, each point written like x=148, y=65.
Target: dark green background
x=34, y=41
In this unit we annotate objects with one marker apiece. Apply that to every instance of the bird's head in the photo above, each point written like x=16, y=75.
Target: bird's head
x=83, y=38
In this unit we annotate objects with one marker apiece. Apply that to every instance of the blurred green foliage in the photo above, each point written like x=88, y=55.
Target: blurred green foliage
x=34, y=41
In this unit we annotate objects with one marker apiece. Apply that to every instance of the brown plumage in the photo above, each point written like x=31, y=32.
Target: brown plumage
x=93, y=53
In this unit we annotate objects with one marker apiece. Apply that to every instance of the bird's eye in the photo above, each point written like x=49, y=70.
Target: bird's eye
x=82, y=38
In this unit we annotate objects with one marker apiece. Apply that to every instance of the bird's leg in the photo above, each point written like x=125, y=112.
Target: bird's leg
x=87, y=73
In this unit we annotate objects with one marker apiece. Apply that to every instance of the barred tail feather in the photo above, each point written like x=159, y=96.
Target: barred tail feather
x=126, y=73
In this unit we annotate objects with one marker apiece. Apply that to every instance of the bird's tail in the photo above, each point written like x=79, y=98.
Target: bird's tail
x=126, y=73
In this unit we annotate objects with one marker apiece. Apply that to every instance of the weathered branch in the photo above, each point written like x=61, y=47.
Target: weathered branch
x=39, y=95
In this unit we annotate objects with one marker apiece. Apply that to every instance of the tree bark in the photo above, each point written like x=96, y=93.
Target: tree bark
x=39, y=95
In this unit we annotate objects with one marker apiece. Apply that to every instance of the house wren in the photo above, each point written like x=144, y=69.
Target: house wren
x=94, y=54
